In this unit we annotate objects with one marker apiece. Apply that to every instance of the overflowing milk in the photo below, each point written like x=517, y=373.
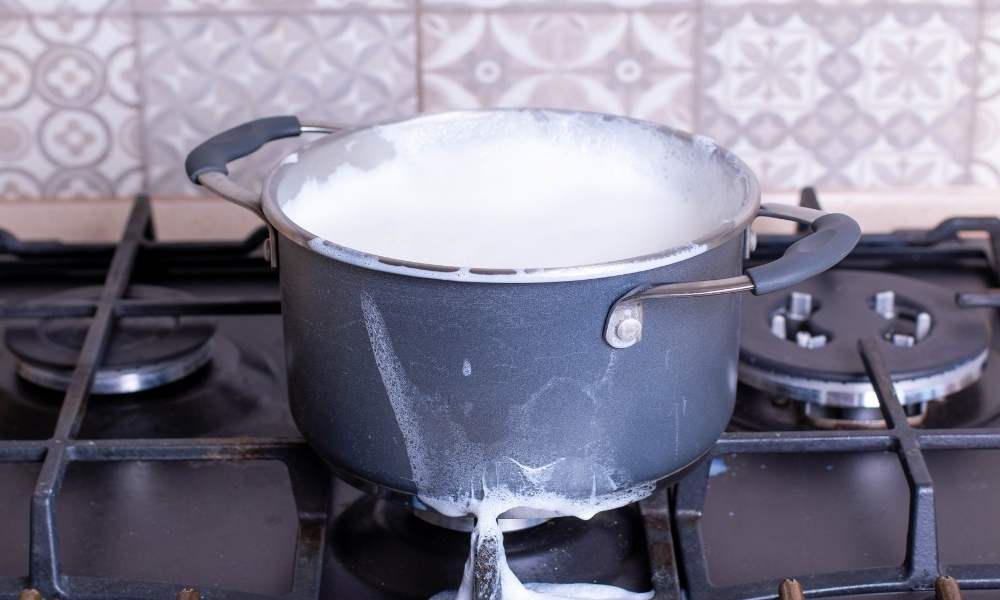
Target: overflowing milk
x=459, y=476
x=514, y=190
x=487, y=547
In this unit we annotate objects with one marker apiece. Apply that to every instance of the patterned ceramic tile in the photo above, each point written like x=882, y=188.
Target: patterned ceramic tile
x=986, y=149
x=63, y=8
x=202, y=75
x=552, y=4
x=852, y=3
x=269, y=6
x=69, y=118
x=874, y=96
x=625, y=62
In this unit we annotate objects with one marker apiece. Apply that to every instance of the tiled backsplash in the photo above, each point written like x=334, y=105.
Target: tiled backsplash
x=103, y=98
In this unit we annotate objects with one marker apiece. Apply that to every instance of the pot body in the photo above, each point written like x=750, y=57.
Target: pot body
x=441, y=388
x=434, y=370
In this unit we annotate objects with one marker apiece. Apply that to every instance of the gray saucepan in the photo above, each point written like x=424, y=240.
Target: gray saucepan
x=438, y=380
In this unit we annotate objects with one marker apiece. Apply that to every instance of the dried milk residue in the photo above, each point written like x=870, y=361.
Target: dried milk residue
x=571, y=190
x=441, y=457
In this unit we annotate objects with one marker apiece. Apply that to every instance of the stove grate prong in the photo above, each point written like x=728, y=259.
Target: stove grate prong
x=923, y=325
x=486, y=569
x=902, y=340
x=800, y=306
x=803, y=338
x=885, y=304
x=779, y=326
x=816, y=341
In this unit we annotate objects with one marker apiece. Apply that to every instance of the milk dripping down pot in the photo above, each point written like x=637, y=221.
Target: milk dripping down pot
x=440, y=380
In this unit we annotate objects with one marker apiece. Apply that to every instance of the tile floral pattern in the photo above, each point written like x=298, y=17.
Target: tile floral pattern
x=631, y=62
x=873, y=97
x=202, y=75
x=104, y=98
x=279, y=6
x=69, y=108
x=25, y=8
x=986, y=133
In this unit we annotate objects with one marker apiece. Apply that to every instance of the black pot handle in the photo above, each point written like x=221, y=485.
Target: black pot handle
x=206, y=164
x=212, y=155
x=833, y=236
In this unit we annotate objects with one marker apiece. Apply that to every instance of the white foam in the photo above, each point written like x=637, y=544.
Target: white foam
x=487, y=534
x=513, y=190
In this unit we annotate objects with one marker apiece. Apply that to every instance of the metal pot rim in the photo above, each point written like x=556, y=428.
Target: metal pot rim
x=726, y=231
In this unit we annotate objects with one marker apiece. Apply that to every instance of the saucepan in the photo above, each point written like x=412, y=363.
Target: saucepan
x=430, y=371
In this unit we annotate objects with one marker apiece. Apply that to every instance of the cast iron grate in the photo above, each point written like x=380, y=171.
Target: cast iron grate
x=671, y=516
x=309, y=478
x=678, y=557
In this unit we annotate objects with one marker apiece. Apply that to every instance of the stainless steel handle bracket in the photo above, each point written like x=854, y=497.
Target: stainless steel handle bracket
x=832, y=238
x=222, y=185
x=624, y=324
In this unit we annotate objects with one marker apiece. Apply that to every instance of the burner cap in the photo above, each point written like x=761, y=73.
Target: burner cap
x=142, y=353
x=803, y=344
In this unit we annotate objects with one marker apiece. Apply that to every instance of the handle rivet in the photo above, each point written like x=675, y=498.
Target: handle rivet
x=629, y=330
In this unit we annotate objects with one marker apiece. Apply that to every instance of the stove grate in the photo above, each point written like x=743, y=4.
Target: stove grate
x=671, y=517
x=309, y=478
x=922, y=568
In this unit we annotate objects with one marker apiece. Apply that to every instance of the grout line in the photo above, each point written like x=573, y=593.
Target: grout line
x=140, y=86
x=697, y=48
x=418, y=34
x=977, y=57
x=245, y=12
x=567, y=7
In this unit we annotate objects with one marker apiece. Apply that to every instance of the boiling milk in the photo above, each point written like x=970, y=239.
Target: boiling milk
x=513, y=190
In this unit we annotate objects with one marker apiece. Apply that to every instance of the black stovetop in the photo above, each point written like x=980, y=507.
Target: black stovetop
x=205, y=484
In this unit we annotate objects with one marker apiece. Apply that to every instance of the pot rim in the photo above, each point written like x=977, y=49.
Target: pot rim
x=726, y=231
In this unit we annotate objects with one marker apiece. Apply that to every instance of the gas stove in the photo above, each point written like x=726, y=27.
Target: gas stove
x=147, y=450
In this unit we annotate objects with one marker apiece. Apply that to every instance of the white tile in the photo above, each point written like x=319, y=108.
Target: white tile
x=868, y=97
x=986, y=149
x=209, y=7
x=69, y=108
x=207, y=74
x=630, y=62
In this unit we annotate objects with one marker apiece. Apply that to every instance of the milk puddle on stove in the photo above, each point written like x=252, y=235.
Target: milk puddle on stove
x=147, y=451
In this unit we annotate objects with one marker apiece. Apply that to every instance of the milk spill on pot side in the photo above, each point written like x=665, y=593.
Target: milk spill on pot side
x=459, y=477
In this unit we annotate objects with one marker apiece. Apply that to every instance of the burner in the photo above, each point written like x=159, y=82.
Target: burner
x=143, y=352
x=973, y=406
x=467, y=524
x=804, y=345
x=380, y=551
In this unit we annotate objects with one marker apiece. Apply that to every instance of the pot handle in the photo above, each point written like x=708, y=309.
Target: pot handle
x=206, y=164
x=833, y=236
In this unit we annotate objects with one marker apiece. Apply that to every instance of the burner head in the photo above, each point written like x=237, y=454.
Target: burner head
x=142, y=353
x=379, y=550
x=468, y=524
x=803, y=344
